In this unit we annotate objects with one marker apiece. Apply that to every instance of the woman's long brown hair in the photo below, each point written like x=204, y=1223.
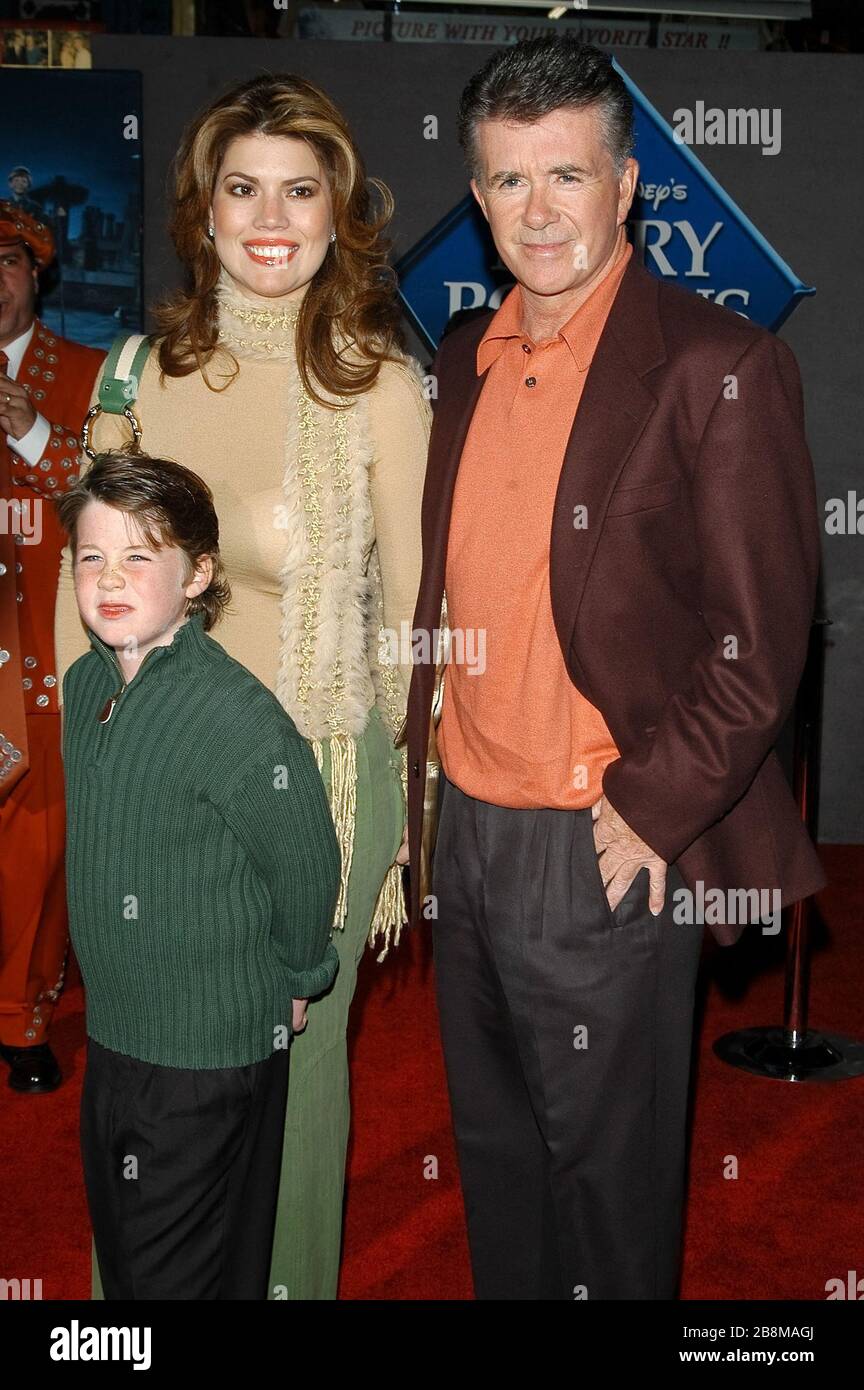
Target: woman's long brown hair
x=353, y=290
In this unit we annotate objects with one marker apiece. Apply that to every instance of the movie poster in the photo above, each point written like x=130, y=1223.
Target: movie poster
x=81, y=176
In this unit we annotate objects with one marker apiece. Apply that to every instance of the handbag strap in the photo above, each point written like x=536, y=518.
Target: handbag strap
x=122, y=372
x=118, y=388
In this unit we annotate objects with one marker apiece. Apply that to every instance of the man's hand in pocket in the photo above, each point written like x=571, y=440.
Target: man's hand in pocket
x=622, y=854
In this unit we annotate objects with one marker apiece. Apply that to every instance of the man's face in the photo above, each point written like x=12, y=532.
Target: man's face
x=19, y=184
x=19, y=282
x=552, y=198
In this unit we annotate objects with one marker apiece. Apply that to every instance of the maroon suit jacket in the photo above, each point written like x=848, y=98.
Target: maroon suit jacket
x=688, y=451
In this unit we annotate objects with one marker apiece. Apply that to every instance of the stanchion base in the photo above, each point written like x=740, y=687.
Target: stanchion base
x=770, y=1052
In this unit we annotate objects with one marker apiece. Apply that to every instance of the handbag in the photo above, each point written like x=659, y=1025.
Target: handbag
x=429, y=830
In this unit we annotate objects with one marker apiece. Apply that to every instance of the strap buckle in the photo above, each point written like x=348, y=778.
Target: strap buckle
x=97, y=410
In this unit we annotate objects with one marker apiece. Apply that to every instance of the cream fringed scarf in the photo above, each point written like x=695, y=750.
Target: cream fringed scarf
x=334, y=661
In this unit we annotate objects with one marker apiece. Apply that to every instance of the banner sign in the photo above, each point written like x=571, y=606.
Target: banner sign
x=434, y=27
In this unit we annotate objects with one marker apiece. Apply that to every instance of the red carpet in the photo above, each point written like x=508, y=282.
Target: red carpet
x=792, y=1219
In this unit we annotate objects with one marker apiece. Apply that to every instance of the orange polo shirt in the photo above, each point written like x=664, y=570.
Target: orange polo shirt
x=514, y=729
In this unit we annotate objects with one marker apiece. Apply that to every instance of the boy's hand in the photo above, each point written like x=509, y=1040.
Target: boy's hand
x=300, y=1020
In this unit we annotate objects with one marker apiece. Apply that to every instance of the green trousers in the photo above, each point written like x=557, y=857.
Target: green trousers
x=308, y=1232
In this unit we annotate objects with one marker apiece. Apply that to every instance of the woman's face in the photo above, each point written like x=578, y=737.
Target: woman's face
x=272, y=213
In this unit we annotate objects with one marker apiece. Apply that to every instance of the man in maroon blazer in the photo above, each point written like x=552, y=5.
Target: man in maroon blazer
x=620, y=497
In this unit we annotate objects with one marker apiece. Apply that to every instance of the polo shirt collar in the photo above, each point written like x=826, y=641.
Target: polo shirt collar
x=581, y=332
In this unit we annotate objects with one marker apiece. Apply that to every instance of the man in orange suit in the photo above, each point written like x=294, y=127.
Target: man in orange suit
x=45, y=387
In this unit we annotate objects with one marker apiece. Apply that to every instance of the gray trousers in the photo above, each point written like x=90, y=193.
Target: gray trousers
x=566, y=1031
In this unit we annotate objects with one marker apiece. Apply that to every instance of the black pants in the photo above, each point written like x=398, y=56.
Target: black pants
x=181, y=1168
x=567, y=1033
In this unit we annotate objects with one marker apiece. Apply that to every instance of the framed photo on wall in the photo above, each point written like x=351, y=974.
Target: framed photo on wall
x=83, y=177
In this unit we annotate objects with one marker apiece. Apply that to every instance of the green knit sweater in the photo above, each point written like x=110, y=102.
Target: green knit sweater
x=202, y=864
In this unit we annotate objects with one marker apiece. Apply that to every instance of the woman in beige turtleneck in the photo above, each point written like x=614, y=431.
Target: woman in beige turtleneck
x=319, y=511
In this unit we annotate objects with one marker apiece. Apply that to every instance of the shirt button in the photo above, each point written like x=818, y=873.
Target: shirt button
x=30, y=662
x=42, y=700
x=530, y=381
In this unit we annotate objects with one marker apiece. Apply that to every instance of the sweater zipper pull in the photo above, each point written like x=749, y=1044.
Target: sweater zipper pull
x=110, y=705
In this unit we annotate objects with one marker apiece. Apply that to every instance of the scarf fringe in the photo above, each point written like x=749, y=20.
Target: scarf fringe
x=390, y=913
x=343, y=808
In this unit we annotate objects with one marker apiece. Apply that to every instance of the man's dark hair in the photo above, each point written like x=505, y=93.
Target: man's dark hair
x=530, y=80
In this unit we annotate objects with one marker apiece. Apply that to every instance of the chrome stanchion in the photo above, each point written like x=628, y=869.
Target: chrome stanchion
x=793, y=1052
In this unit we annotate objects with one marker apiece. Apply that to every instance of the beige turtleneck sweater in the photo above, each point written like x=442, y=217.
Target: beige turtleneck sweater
x=234, y=440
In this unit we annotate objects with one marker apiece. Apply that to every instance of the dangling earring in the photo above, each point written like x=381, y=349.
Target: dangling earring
x=332, y=236
x=211, y=230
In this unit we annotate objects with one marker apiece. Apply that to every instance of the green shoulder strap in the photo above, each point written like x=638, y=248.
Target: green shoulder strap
x=122, y=372
x=118, y=389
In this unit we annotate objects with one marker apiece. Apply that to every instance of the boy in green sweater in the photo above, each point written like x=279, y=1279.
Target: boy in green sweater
x=202, y=871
